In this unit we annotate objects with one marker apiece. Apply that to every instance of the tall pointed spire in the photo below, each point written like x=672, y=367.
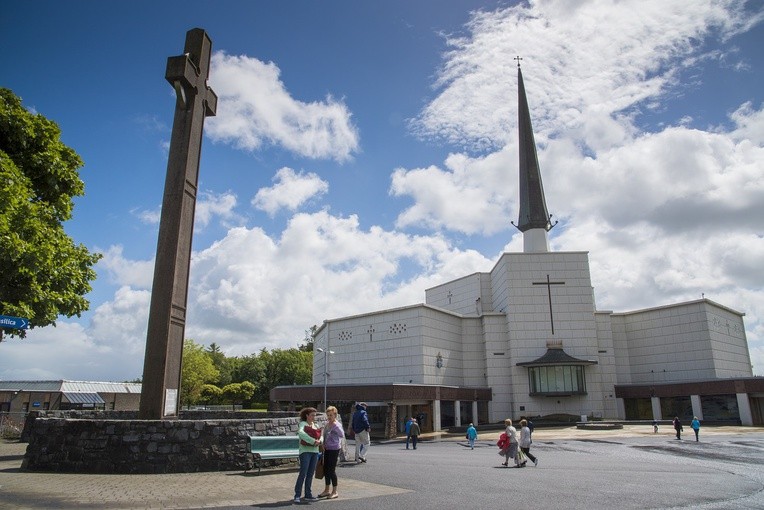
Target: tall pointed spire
x=534, y=221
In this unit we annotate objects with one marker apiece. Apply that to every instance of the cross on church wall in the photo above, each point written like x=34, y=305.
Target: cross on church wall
x=549, y=284
x=449, y=295
x=370, y=331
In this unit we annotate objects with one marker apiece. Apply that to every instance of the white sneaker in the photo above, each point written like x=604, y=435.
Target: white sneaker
x=297, y=500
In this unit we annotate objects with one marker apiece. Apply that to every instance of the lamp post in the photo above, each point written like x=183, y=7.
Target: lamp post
x=326, y=370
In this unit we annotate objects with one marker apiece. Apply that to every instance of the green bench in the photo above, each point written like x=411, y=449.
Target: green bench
x=272, y=447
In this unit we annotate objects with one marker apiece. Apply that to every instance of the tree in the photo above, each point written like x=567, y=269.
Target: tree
x=44, y=273
x=211, y=394
x=236, y=393
x=309, y=334
x=197, y=371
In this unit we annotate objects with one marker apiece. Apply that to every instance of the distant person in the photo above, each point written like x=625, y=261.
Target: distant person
x=511, y=452
x=695, y=425
x=310, y=440
x=414, y=432
x=530, y=426
x=471, y=435
x=362, y=429
x=408, y=430
x=525, y=441
x=677, y=427
x=655, y=426
x=332, y=440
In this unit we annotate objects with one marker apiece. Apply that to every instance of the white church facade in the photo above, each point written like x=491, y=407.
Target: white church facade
x=527, y=339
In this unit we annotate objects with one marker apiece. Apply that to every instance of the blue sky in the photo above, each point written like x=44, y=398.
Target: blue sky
x=365, y=151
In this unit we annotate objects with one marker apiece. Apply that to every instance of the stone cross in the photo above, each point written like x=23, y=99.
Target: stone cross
x=549, y=291
x=188, y=75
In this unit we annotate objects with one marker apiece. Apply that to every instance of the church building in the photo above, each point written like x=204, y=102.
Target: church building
x=526, y=339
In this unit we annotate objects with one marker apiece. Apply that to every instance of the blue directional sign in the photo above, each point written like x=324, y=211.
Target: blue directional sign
x=7, y=321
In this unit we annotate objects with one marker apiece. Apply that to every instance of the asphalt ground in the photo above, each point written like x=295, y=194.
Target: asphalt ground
x=630, y=468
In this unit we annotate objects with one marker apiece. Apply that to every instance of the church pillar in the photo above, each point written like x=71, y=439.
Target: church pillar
x=697, y=409
x=458, y=413
x=475, y=412
x=657, y=413
x=744, y=408
x=620, y=408
x=436, y=416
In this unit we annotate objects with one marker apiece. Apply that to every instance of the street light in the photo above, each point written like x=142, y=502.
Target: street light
x=326, y=370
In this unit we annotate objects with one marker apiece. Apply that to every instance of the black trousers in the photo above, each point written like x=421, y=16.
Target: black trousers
x=330, y=467
x=527, y=452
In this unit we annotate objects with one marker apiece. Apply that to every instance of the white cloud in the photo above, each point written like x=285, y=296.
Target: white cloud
x=322, y=267
x=631, y=54
x=124, y=272
x=290, y=191
x=255, y=108
x=222, y=205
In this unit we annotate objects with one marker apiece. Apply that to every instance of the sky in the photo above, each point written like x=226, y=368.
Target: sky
x=363, y=152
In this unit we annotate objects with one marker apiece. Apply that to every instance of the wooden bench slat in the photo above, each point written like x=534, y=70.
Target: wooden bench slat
x=272, y=447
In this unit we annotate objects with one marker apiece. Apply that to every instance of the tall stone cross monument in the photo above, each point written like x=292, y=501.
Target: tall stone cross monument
x=188, y=75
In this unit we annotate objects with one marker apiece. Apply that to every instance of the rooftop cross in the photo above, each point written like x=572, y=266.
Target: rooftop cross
x=518, y=58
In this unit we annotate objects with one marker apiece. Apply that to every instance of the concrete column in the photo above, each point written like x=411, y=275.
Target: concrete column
x=657, y=413
x=744, y=408
x=436, y=416
x=620, y=408
x=458, y=413
x=697, y=408
x=475, y=412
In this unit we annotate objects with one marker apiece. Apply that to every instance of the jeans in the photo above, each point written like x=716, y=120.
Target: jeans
x=472, y=442
x=308, y=462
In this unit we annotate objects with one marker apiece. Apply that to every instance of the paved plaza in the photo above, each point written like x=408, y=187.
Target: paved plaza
x=625, y=469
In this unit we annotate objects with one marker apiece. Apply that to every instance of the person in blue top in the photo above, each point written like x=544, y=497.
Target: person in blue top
x=695, y=426
x=361, y=428
x=471, y=435
x=408, y=431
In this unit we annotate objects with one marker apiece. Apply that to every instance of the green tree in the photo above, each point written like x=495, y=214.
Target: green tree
x=44, y=274
x=237, y=393
x=309, y=334
x=223, y=364
x=197, y=371
x=211, y=394
x=286, y=367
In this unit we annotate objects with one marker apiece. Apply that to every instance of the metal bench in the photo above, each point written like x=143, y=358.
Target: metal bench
x=272, y=447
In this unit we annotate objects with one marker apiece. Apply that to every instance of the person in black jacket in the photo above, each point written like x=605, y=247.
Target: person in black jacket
x=361, y=428
x=678, y=427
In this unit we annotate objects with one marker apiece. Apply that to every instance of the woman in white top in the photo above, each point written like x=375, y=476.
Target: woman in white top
x=525, y=441
x=512, y=435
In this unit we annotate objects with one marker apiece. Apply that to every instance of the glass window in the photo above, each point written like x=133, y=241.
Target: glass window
x=557, y=380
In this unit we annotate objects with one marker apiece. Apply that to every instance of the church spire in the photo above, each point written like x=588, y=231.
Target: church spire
x=534, y=221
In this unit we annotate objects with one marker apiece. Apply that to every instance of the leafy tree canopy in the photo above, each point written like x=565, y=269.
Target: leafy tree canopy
x=196, y=372
x=44, y=273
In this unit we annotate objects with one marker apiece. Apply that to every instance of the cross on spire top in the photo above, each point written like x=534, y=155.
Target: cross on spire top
x=518, y=58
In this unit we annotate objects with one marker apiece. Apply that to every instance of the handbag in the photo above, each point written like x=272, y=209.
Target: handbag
x=320, y=467
x=520, y=457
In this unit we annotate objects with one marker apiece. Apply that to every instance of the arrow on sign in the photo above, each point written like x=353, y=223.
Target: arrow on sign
x=7, y=321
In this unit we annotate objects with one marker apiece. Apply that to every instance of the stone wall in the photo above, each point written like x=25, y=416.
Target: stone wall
x=149, y=446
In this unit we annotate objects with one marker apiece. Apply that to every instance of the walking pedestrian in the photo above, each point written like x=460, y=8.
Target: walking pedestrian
x=678, y=427
x=362, y=429
x=414, y=432
x=525, y=441
x=310, y=440
x=471, y=435
x=408, y=430
x=511, y=452
x=695, y=427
